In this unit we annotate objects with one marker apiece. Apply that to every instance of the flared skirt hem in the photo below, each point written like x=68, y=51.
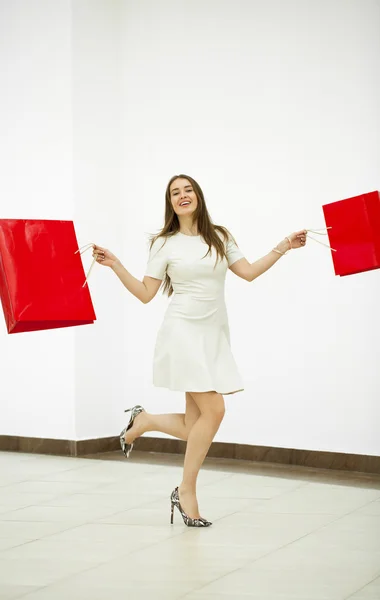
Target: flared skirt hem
x=197, y=391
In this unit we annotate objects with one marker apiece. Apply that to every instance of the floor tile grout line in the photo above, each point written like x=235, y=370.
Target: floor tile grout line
x=198, y=589
x=369, y=503
x=70, y=495
x=364, y=586
x=318, y=529
x=347, y=514
x=61, y=580
x=90, y=522
x=149, y=502
x=252, y=562
x=253, y=475
x=17, y=545
x=56, y=532
x=76, y=468
x=287, y=491
x=42, y=505
x=300, y=538
x=38, y=539
x=61, y=494
x=258, y=512
x=94, y=489
x=295, y=489
x=274, y=551
x=38, y=589
x=73, y=508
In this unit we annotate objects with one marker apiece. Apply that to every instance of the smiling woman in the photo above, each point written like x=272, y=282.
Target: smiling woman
x=186, y=213
x=189, y=258
x=184, y=191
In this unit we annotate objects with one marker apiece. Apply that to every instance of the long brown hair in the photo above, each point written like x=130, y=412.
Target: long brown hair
x=206, y=227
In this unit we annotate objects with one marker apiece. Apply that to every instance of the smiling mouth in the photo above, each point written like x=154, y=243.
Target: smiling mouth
x=185, y=203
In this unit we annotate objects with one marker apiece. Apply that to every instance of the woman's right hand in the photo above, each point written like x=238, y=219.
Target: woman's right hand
x=103, y=256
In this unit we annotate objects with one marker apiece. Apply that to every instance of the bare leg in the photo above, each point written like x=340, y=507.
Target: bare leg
x=212, y=409
x=204, y=414
x=177, y=425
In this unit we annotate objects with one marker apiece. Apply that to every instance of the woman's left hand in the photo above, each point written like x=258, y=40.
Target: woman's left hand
x=293, y=241
x=298, y=239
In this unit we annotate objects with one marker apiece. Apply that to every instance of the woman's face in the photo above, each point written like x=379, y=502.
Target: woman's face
x=183, y=197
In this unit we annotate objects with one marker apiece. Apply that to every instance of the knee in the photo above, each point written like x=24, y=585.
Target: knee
x=216, y=410
x=220, y=412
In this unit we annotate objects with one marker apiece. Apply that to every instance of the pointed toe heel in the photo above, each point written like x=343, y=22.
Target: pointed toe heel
x=125, y=447
x=174, y=502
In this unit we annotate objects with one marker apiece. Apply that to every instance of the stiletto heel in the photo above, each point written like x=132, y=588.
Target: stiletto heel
x=127, y=448
x=174, y=501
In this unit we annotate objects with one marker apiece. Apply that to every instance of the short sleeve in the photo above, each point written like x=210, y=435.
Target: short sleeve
x=233, y=252
x=157, y=261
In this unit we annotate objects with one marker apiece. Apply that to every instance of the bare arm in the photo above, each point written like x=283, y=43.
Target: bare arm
x=250, y=271
x=144, y=290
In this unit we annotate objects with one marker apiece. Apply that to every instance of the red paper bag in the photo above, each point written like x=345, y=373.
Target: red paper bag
x=41, y=277
x=354, y=233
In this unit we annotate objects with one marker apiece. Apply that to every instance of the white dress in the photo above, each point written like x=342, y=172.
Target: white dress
x=192, y=352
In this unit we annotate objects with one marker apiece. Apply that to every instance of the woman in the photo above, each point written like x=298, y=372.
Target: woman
x=192, y=354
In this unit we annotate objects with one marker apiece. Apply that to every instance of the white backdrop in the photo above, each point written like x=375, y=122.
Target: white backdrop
x=62, y=158
x=273, y=107
x=37, y=370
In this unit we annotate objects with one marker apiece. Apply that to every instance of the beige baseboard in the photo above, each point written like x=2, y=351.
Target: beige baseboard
x=285, y=456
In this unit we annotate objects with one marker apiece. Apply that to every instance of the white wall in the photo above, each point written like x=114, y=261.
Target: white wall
x=37, y=369
x=98, y=110
x=273, y=107
x=61, y=154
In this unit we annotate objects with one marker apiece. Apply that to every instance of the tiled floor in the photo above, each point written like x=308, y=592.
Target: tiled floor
x=98, y=528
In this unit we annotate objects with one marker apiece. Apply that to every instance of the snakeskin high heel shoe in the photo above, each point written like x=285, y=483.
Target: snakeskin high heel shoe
x=127, y=448
x=174, y=501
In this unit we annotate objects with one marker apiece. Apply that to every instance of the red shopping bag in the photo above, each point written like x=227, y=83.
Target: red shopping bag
x=41, y=276
x=354, y=232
